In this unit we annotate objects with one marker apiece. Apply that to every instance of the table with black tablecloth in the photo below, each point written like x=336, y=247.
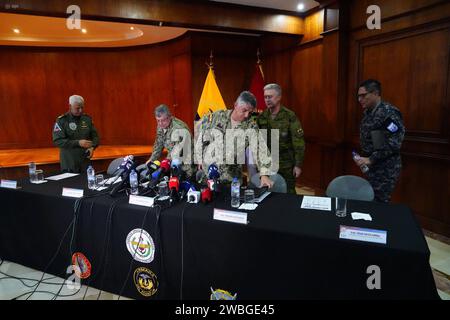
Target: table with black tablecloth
x=284, y=252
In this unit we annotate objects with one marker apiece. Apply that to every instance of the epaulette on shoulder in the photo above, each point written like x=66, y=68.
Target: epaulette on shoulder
x=62, y=116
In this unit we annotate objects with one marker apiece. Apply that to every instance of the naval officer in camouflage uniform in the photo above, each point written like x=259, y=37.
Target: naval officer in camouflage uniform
x=237, y=118
x=166, y=124
x=75, y=136
x=381, y=135
x=292, y=143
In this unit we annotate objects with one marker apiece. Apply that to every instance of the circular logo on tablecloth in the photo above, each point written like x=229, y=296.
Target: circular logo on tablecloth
x=141, y=246
x=73, y=126
x=84, y=266
x=145, y=281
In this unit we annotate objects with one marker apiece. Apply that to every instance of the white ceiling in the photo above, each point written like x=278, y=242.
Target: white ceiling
x=50, y=31
x=290, y=5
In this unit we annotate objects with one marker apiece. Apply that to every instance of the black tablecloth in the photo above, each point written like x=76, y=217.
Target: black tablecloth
x=284, y=252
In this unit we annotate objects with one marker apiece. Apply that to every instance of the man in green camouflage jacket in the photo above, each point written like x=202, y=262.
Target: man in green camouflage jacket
x=235, y=122
x=291, y=140
x=171, y=132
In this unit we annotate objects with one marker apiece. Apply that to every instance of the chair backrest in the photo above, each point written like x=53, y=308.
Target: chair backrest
x=114, y=165
x=279, y=184
x=350, y=187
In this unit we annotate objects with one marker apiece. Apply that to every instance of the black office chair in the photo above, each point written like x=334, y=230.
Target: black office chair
x=112, y=168
x=350, y=187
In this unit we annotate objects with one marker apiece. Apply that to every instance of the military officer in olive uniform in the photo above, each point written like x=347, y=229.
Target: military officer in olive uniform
x=292, y=143
x=237, y=118
x=166, y=125
x=381, y=136
x=75, y=136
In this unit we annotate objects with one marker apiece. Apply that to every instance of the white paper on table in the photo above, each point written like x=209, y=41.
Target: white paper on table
x=62, y=176
x=100, y=188
x=361, y=216
x=248, y=206
x=261, y=197
x=316, y=203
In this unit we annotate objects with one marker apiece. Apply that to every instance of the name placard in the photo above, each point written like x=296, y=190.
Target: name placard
x=141, y=201
x=9, y=184
x=230, y=216
x=362, y=234
x=73, y=193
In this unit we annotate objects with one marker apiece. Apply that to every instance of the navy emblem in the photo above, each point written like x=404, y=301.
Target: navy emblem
x=392, y=127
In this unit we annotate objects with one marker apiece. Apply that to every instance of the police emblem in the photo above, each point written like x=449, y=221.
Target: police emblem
x=145, y=281
x=220, y=294
x=84, y=266
x=73, y=126
x=141, y=246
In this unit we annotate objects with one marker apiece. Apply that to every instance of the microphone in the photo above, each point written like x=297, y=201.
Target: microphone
x=174, y=184
x=206, y=195
x=127, y=165
x=185, y=186
x=213, y=177
x=213, y=172
x=199, y=176
x=165, y=165
x=150, y=168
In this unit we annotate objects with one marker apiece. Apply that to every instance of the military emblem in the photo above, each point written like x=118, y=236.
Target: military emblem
x=220, y=294
x=145, y=281
x=141, y=246
x=73, y=126
x=392, y=127
x=84, y=266
x=56, y=128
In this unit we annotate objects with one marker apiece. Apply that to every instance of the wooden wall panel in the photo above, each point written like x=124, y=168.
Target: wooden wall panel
x=121, y=87
x=313, y=26
x=307, y=89
x=419, y=60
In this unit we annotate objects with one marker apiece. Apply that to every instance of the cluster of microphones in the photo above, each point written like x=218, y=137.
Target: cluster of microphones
x=180, y=186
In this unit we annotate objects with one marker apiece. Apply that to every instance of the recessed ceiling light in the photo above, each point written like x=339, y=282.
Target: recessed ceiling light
x=300, y=6
x=131, y=28
x=84, y=30
x=16, y=30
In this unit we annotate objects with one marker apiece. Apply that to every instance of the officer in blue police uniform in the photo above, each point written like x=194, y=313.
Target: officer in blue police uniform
x=381, y=136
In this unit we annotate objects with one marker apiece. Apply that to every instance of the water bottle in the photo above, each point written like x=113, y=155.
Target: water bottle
x=364, y=168
x=134, y=182
x=32, y=171
x=235, y=193
x=91, y=177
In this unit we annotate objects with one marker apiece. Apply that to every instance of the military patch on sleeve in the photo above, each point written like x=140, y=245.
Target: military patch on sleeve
x=392, y=127
x=56, y=128
x=300, y=131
